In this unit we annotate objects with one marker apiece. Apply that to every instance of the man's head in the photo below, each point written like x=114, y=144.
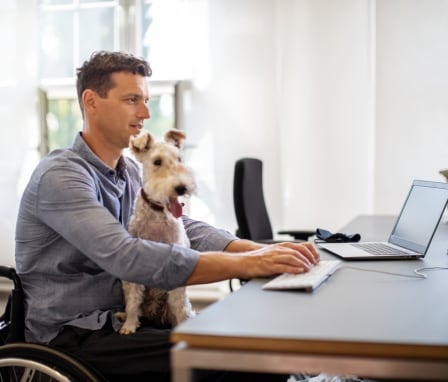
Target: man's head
x=95, y=73
x=113, y=95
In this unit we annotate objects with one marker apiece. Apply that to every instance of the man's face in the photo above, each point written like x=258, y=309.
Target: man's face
x=121, y=114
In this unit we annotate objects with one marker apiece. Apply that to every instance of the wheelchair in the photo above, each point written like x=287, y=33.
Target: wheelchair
x=29, y=362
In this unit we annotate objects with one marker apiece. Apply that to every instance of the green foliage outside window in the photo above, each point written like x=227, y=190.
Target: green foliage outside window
x=64, y=119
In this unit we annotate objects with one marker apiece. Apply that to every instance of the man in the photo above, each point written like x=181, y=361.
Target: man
x=72, y=246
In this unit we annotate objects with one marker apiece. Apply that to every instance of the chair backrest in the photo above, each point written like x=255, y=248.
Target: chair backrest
x=248, y=198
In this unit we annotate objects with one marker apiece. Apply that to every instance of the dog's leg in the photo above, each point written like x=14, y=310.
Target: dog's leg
x=179, y=306
x=134, y=297
x=121, y=316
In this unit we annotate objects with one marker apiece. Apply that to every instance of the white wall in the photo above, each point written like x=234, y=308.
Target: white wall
x=326, y=92
x=291, y=83
x=325, y=112
x=412, y=96
x=236, y=114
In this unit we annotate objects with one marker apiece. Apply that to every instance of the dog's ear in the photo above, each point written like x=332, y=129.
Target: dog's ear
x=175, y=137
x=141, y=143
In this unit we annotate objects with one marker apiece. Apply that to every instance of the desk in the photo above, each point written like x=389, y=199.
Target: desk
x=357, y=323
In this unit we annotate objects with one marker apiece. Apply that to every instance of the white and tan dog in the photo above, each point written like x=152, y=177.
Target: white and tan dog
x=157, y=217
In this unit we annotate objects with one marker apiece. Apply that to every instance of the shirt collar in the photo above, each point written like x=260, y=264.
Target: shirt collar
x=82, y=149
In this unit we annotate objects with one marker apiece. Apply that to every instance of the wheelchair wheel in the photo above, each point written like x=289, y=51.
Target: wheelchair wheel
x=33, y=362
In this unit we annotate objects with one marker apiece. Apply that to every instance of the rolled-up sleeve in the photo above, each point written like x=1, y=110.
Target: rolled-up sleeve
x=204, y=237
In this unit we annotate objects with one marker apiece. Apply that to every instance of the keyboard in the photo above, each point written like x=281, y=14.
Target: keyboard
x=378, y=248
x=307, y=281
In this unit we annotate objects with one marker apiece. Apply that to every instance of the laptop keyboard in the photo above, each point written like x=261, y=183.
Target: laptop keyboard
x=378, y=249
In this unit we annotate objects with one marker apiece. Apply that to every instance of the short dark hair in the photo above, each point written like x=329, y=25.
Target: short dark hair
x=95, y=73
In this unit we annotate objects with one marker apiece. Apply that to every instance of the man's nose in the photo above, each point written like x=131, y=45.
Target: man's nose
x=144, y=112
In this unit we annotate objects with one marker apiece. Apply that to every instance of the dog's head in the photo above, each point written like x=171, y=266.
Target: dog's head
x=165, y=177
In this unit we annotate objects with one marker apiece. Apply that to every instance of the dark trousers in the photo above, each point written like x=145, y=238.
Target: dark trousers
x=142, y=356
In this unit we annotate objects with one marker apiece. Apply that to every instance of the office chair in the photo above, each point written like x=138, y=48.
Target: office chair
x=250, y=208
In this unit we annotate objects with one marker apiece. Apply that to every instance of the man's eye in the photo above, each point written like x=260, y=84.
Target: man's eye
x=158, y=162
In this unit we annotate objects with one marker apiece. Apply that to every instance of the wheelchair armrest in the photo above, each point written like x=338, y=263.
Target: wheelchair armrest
x=10, y=273
x=12, y=321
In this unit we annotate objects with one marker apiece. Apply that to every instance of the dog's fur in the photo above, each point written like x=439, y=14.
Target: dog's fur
x=157, y=217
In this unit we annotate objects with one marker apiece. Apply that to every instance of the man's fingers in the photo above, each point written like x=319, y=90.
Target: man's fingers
x=306, y=249
x=290, y=263
x=286, y=258
x=311, y=252
x=293, y=259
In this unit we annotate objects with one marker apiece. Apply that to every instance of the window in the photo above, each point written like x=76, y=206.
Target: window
x=61, y=116
x=70, y=30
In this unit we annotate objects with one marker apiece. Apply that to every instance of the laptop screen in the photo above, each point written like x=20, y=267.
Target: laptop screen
x=420, y=215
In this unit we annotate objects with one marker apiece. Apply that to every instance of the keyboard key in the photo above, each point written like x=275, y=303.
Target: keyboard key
x=378, y=248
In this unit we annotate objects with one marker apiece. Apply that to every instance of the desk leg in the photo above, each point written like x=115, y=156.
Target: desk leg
x=180, y=370
x=181, y=375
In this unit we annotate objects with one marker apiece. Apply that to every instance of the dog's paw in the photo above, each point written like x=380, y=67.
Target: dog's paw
x=121, y=316
x=129, y=328
x=125, y=331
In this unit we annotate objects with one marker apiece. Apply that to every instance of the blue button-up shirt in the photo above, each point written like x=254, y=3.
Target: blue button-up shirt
x=72, y=246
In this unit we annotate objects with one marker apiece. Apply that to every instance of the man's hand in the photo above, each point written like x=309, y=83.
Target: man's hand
x=258, y=260
x=287, y=257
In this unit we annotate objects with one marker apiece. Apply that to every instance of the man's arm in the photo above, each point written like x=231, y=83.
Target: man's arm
x=243, y=245
x=257, y=260
x=70, y=213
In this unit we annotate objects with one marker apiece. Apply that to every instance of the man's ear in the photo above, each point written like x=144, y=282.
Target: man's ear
x=89, y=99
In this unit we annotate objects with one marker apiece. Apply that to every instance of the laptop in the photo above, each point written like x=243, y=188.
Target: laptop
x=413, y=230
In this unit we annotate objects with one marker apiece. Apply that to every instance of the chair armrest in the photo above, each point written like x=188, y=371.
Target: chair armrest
x=298, y=235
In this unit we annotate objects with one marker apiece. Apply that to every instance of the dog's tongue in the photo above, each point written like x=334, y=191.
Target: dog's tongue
x=175, y=207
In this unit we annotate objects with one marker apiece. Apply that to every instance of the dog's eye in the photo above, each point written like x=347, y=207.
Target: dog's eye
x=158, y=162
x=179, y=159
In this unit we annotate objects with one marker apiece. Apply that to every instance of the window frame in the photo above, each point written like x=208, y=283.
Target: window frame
x=127, y=32
x=177, y=89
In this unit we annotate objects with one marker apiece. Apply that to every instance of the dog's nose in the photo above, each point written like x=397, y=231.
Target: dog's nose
x=181, y=190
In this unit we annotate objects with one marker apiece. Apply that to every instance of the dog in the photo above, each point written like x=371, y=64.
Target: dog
x=157, y=216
